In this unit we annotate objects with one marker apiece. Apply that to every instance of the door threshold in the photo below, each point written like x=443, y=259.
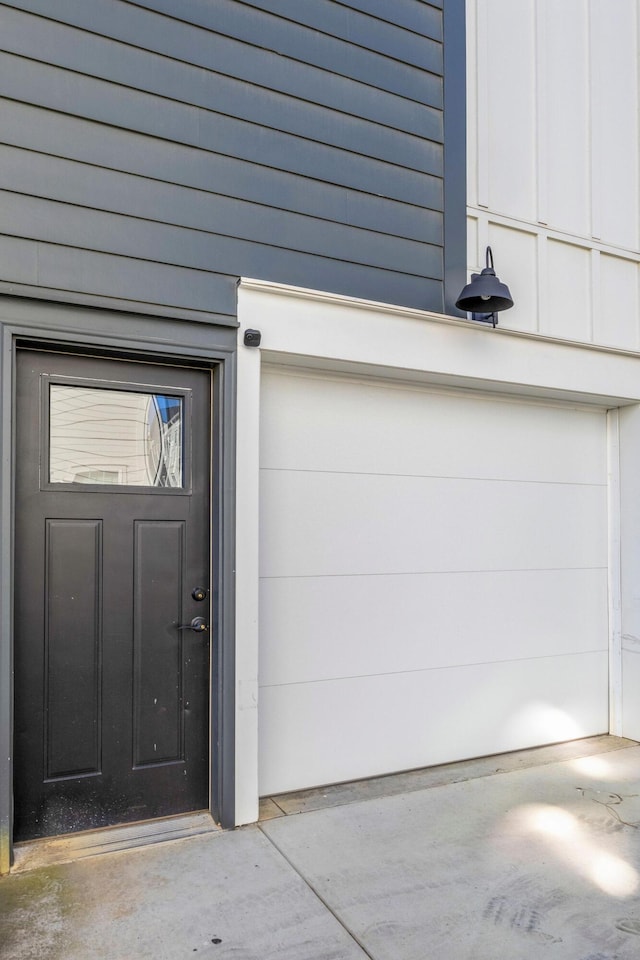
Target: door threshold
x=32, y=854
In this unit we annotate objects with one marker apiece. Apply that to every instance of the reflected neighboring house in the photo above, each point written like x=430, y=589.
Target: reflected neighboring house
x=100, y=436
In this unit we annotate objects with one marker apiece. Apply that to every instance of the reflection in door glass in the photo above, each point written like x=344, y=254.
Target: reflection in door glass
x=103, y=436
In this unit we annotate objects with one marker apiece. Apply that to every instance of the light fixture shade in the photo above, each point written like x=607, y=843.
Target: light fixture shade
x=485, y=293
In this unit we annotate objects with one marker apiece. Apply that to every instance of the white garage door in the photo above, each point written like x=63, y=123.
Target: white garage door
x=433, y=577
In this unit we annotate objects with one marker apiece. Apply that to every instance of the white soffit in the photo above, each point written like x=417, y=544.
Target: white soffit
x=322, y=331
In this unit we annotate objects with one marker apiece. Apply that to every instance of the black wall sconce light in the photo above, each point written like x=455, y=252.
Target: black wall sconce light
x=485, y=296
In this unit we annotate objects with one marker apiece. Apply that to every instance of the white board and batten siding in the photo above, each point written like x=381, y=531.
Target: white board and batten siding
x=554, y=162
x=433, y=576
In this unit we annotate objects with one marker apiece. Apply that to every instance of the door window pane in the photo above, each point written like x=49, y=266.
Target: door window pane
x=100, y=436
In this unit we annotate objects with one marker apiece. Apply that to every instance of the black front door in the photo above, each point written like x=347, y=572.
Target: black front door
x=112, y=603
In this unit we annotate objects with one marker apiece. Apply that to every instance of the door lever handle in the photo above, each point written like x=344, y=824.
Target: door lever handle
x=198, y=625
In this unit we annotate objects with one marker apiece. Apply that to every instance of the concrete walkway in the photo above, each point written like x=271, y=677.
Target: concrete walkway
x=532, y=855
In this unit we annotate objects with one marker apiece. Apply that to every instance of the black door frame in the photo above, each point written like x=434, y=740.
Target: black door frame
x=76, y=329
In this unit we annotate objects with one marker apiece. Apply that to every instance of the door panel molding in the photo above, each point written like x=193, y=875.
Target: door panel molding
x=157, y=545
x=73, y=673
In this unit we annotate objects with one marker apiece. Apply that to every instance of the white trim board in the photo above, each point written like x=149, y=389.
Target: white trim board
x=322, y=330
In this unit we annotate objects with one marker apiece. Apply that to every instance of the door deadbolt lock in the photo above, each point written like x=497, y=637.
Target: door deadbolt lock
x=199, y=593
x=198, y=625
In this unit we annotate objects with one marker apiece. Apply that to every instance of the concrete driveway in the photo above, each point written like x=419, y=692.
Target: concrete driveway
x=529, y=855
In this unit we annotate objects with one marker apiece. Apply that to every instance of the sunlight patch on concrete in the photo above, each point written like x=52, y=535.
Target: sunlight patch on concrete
x=595, y=767
x=570, y=842
x=614, y=875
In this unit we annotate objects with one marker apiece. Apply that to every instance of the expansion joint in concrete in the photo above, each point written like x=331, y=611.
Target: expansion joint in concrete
x=318, y=895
